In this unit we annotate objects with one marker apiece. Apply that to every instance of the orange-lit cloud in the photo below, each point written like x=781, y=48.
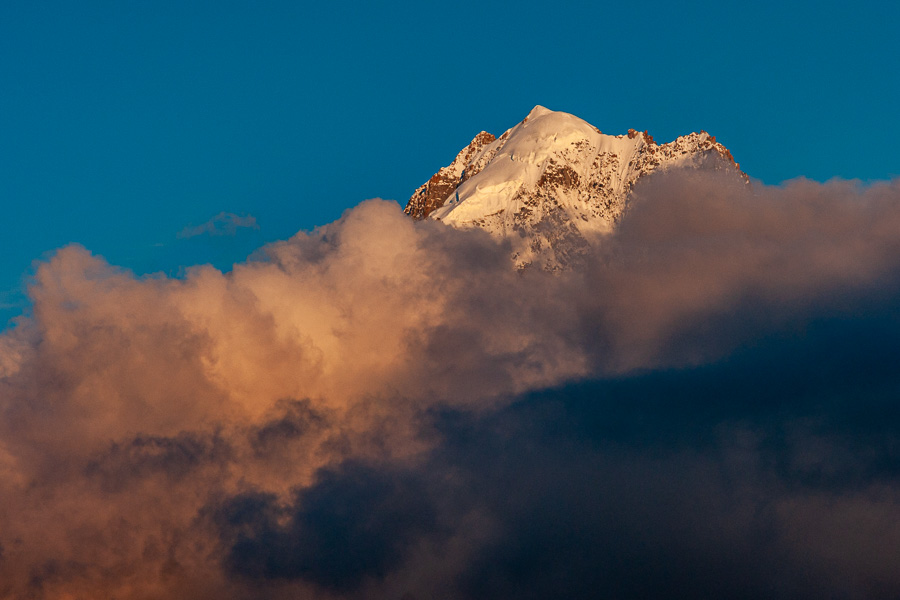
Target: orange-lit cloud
x=298, y=426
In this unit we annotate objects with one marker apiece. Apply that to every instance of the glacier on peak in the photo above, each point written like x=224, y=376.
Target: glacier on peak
x=552, y=182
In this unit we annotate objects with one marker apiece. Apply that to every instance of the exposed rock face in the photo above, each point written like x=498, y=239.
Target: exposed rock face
x=553, y=182
x=434, y=192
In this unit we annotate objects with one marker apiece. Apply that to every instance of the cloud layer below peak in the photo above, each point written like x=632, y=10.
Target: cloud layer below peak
x=385, y=408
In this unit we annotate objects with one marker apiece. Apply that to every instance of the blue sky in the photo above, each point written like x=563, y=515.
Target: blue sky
x=124, y=124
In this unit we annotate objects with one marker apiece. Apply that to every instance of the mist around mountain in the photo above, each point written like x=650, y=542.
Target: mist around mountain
x=703, y=405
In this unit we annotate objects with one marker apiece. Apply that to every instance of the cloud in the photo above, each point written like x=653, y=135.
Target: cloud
x=385, y=408
x=222, y=224
x=353, y=522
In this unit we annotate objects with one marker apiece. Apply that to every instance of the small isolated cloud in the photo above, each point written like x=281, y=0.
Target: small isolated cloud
x=10, y=299
x=223, y=223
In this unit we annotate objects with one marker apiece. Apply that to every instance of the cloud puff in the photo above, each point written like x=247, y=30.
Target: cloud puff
x=385, y=408
x=223, y=223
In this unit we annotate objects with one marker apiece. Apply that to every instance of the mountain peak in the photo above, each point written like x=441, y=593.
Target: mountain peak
x=552, y=182
x=538, y=111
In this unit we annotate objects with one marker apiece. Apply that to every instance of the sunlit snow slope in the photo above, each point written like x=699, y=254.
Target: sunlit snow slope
x=553, y=182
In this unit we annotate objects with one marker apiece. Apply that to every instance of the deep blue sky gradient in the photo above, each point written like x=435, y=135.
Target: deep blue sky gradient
x=123, y=123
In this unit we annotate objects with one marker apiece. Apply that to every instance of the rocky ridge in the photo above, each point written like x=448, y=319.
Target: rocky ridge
x=553, y=182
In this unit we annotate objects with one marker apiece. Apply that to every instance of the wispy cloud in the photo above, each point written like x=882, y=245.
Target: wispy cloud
x=12, y=299
x=224, y=223
x=12, y=304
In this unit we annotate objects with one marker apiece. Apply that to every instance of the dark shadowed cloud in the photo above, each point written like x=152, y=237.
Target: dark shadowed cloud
x=353, y=522
x=386, y=409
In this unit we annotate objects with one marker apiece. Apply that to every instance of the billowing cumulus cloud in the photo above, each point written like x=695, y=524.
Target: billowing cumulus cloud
x=386, y=408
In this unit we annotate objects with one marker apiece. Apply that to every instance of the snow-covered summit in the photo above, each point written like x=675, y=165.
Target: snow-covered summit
x=553, y=181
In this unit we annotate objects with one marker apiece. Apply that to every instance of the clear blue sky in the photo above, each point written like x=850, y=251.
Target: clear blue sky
x=124, y=123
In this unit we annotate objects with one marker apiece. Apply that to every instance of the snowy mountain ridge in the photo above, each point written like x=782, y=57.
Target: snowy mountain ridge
x=553, y=182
